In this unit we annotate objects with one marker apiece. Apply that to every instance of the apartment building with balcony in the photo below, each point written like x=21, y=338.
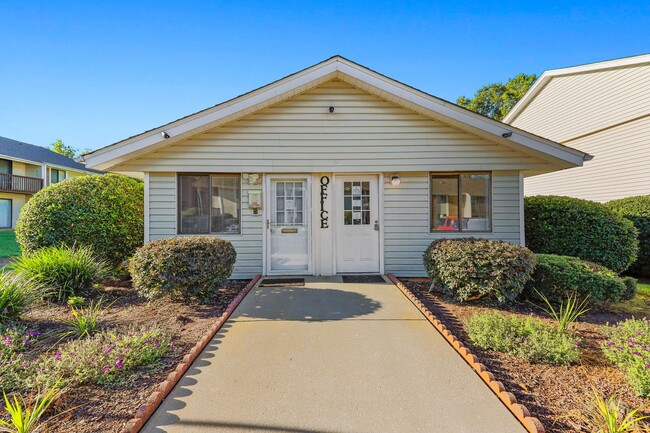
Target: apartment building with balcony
x=26, y=169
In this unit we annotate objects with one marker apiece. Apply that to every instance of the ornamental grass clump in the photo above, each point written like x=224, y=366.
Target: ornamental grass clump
x=628, y=346
x=526, y=338
x=65, y=270
x=25, y=413
x=612, y=415
x=17, y=294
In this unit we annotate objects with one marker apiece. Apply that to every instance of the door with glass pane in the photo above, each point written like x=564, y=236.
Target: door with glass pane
x=357, y=224
x=288, y=226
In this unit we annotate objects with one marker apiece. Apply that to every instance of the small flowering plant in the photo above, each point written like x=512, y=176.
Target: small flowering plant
x=628, y=346
x=16, y=338
x=106, y=357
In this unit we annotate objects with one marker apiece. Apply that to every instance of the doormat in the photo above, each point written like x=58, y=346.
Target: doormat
x=278, y=282
x=361, y=279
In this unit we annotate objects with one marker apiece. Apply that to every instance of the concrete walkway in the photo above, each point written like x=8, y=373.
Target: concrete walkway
x=330, y=357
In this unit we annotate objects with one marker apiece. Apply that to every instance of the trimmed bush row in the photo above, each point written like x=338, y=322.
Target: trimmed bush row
x=103, y=212
x=580, y=228
x=471, y=268
x=637, y=210
x=194, y=266
x=558, y=277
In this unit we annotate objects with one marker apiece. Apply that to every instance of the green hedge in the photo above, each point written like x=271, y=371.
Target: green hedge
x=637, y=210
x=470, y=268
x=183, y=267
x=557, y=277
x=579, y=228
x=103, y=212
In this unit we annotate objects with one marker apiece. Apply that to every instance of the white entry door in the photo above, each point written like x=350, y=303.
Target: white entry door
x=288, y=226
x=357, y=224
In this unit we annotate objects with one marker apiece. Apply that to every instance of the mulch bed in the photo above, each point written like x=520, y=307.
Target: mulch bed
x=551, y=393
x=107, y=409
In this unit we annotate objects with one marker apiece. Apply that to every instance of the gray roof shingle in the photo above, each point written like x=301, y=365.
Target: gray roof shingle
x=30, y=152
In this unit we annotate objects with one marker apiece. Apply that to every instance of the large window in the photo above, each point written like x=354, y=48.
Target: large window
x=56, y=176
x=5, y=213
x=209, y=203
x=461, y=202
x=5, y=166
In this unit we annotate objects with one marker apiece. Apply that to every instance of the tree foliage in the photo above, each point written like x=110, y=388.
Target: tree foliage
x=63, y=149
x=497, y=99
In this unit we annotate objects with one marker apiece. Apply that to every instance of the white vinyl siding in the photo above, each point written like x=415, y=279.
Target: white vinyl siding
x=406, y=219
x=163, y=213
x=619, y=168
x=571, y=106
x=364, y=134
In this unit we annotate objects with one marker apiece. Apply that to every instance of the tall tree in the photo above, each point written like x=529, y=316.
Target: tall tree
x=61, y=148
x=497, y=99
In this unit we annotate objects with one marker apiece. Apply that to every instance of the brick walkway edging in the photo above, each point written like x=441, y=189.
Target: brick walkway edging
x=145, y=411
x=532, y=424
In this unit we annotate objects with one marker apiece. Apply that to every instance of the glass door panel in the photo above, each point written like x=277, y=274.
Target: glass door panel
x=288, y=225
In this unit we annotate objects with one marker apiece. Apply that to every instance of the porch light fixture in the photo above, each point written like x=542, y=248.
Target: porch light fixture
x=394, y=179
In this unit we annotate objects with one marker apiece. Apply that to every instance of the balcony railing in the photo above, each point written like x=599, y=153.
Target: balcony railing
x=20, y=184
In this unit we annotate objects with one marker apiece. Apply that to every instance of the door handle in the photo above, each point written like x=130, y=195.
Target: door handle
x=377, y=225
x=268, y=224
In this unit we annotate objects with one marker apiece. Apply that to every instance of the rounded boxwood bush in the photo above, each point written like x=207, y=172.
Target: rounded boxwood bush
x=558, y=277
x=471, y=268
x=103, y=212
x=182, y=267
x=637, y=210
x=580, y=228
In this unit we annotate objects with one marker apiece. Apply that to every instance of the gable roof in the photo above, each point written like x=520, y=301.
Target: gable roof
x=356, y=75
x=32, y=153
x=543, y=81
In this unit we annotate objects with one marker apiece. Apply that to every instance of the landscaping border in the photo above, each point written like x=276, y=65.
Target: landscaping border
x=163, y=389
x=532, y=424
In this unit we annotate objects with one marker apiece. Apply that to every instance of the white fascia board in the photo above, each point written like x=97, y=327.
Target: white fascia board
x=462, y=117
x=572, y=70
x=208, y=118
x=273, y=93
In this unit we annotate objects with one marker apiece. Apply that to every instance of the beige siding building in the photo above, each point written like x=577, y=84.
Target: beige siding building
x=24, y=170
x=602, y=109
x=334, y=169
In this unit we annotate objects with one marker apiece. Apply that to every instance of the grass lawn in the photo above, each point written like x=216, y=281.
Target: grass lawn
x=640, y=305
x=8, y=245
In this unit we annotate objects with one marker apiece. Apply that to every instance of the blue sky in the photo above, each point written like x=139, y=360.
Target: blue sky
x=92, y=73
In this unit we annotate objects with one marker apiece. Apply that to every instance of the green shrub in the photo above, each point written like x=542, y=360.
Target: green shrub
x=84, y=322
x=579, y=228
x=17, y=294
x=637, y=210
x=558, y=277
x=469, y=268
x=185, y=266
x=522, y=337
x=104, y=212
x=65, y=270
x=628, y=346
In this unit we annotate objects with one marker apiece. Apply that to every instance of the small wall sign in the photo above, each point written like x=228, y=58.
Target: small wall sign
x=324, y=215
